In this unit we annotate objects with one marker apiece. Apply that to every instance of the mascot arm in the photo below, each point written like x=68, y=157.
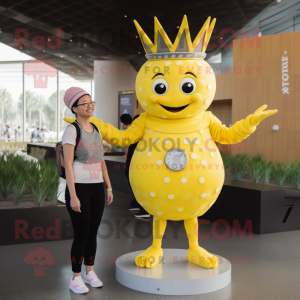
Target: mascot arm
x=241, y=129
x=118, y=137
x=236, y=133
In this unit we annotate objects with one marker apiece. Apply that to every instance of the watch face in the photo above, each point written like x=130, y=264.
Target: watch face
x=176, y=159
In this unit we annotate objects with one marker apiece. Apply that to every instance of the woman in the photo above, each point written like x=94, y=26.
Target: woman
x=85, y=197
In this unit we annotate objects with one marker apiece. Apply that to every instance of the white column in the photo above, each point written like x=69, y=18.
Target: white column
x=111, y=77
x=57, y=109
x=24, y=107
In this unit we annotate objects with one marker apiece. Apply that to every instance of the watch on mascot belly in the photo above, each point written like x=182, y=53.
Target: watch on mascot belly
x=176, y=159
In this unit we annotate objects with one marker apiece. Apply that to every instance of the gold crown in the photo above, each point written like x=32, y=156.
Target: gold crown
x=182, y=47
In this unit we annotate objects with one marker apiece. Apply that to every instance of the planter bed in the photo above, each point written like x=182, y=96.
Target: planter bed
x=27, y=223
x=256, y=207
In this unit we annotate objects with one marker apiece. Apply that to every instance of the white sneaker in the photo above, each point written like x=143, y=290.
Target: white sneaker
x=92, y=279
x=78, y=286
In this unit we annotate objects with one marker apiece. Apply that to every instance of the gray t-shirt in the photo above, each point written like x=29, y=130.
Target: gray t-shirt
x=89, y=154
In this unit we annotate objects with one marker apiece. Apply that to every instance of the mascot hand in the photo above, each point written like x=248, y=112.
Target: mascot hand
x=260, y=114
x=69, y=120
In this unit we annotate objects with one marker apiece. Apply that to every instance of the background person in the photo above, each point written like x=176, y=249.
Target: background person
x=41, y=135
x=7, y=132
x=34, y=134
x=134, y=205
x=85, y=197
x=126, y=121
x=46, y=135
x=19, y=133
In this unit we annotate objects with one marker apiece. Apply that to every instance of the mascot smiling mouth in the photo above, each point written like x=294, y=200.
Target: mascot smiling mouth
x=174, y=109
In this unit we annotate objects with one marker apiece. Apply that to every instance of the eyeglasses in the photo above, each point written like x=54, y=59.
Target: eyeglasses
x=87, y=104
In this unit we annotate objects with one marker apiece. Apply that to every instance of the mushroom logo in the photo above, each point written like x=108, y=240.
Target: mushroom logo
x=94, y=165
x=39, y=258
x=40, y=68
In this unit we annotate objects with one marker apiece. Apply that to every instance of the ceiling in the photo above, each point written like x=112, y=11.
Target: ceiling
x=104, y=29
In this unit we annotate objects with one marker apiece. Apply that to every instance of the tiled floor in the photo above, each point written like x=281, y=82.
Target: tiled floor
x=273, y=271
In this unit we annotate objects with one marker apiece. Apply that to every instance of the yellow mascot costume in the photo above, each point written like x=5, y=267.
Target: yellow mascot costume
x=176, y=171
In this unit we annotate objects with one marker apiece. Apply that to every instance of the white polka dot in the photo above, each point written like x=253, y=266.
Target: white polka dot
x=203, y=195
x=149, y=64
x=187, y=116
x=156, y=140
x=203, y=163
x=198, y=63
x=152, y=194
x=183, y=180
x=144, y=103
x=186, y=141
x=166, y=141
x=163, y=116
x=196, y=213
x=180, y=209
x=159, y=213
x=209, y=86
x=141, y=204
x=166, y=179
x=212, y=154
x=140, y=88
x=139, y=152
x=217, y=189
x=159, y=162
x=193, y=155
x=206, y=101
x=178, y=63
x=201, y=180
x=167, y=63
x=149, y=153
x=202, y=206
x=170, y=197
x=196, y=141
x=150, y=130
x=201, y=131
x=211, y=204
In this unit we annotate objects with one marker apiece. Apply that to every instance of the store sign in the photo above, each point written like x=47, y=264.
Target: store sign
x=285, y=73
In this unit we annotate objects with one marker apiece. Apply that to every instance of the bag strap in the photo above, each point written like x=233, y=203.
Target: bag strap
x=95, y=127
x=76, y=125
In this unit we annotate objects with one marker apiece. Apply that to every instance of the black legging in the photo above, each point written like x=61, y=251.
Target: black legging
x=86, y=223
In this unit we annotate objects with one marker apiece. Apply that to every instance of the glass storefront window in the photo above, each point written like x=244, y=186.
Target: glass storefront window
x=11, y=108
x=40, y=85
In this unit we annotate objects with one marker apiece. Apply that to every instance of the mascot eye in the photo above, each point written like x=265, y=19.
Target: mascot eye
x=160, y=86
x=187, y=85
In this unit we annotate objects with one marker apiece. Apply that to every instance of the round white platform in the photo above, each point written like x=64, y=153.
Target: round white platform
x=174, y=276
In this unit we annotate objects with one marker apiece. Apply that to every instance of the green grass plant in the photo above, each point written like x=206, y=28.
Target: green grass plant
x=37, y=181
x=294, y=174
x=255, y=170
x=7, y=174
x=238, y=165
x=20, y=188
x=21, y=176
x=280, y=172
x=266, y=171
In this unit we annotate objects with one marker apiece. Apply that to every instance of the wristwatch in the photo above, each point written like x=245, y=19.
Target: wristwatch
x=109, y=190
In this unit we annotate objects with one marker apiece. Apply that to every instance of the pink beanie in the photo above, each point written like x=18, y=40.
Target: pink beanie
x=72, y=94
